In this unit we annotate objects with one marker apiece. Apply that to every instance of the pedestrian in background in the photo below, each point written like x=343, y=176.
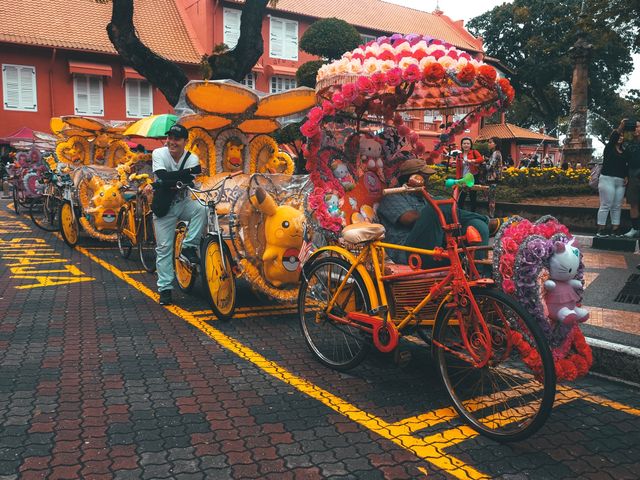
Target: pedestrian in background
x=612, y=182
x=631, y=131
x=471, y=163
x=494, y=173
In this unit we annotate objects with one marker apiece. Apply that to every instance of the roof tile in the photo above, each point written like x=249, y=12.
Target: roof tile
x=81, y=25
x=510, y=131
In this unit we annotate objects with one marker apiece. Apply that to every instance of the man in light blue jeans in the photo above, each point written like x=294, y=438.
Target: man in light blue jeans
x=167, y=163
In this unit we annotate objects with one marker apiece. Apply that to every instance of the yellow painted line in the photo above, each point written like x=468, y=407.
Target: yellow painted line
x=251, y=308
x=212, y=317
x=129, y=272
x=575, y=393
x=400, y=435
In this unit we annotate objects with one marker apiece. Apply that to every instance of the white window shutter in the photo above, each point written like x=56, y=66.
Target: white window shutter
x=133, y=99
x=28, y=89
x=82, y=95
x=291, y=40
x=146, y=99
x=95, y=96
x=276, y=38
x=231, y=27
x=11, y=82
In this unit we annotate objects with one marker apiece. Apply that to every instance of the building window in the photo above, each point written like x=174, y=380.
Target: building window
x=19, y=88
x=366, y=38
x=249, y=80
x=283, y=40
x=231, y=27
x=139, y=98
x=280, y=84
x=87, y=92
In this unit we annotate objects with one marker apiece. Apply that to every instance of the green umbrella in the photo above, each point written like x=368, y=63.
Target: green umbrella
x=155, y=126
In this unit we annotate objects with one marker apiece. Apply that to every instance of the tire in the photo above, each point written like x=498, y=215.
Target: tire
x=147, y=244
x=69, y=227
x=46, y=214
x=335, y=345
x=16, y=203
x=124, y=242
x=185, y=275
x=509, y=401
x=219, y=282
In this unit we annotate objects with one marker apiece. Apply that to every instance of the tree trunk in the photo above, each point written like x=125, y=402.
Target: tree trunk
x=170, y=78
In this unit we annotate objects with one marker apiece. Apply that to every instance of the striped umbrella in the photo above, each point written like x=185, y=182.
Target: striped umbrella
x=155, y=126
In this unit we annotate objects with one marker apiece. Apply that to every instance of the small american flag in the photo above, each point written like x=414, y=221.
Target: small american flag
x=306, y=250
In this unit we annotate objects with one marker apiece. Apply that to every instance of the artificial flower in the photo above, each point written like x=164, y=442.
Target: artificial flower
x=467, y=73
x=394, y=77
x=433, y=72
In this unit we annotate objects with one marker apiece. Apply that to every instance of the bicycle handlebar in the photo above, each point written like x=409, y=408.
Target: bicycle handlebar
x=403, y=189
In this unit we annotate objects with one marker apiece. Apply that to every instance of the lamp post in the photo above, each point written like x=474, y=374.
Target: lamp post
x=577, y=146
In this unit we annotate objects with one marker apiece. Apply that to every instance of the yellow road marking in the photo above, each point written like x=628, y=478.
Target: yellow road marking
x=212, y=316
x=430, y=452
x=129, y=272
x=251, y=308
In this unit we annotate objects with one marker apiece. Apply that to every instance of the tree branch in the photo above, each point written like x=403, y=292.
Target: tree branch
x=161, y=73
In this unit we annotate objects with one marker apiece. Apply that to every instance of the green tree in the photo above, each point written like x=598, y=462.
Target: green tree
x=290, y=135
x=169, y=77
x=534, y=37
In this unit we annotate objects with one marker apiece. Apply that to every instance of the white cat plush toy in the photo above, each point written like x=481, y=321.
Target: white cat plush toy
x=562, y=297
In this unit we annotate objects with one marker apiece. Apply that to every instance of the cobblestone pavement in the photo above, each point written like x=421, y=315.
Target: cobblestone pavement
x=99, y=381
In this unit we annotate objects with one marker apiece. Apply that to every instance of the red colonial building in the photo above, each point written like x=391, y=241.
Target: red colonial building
x=57, y=59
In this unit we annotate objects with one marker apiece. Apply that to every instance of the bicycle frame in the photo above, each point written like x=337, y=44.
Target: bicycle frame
x=456, y=283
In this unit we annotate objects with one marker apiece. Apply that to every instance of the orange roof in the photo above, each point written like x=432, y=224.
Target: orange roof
x=508, y=131
x=387, y=17
x=81, y=25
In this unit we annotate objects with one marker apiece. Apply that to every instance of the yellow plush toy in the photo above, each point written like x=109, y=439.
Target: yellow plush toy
x=233, y=156
x=283, y=227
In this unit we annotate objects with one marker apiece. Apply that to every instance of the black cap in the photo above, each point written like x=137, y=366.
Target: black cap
x=178, y=131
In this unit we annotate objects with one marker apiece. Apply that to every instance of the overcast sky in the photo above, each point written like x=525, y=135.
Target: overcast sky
x=467, y=9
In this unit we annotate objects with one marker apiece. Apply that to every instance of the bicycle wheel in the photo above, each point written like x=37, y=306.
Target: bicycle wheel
x=334, y=344
x=147, y=244
x=45, y=214
x=185, y=275
x=218, y=280
x=510, y=397
x=124, y=242
x=69, y=227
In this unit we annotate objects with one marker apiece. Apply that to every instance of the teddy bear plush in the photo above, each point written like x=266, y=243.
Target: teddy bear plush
x=341, y=172
x=562, y=296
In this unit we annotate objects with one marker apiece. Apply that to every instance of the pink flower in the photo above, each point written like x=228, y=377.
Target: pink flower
x=328, y=108
x=453, y=54
x=508, y=286
x=349, y=92
x=365, y=85
x=358, y=56
x=315, y=115
x=309, y=129
x=338, y=100
x=386, y=55
x=509, y=245
x=394, y=77
x=437, y=54
x=419, y=54
x=412, y=73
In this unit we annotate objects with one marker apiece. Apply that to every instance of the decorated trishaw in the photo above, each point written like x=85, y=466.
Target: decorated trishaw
x=503, y=330
x=100, y=163
x=25, y=176
x=255, y=203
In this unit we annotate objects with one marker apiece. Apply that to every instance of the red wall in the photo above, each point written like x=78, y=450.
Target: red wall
x=54, y=85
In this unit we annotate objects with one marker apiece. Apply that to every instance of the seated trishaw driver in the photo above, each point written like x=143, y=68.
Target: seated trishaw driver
x=410, y=220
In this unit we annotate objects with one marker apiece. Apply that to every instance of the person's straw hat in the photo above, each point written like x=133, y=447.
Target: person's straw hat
x=414, y=165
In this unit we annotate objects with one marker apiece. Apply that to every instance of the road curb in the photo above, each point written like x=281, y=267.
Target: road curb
x=615, y=360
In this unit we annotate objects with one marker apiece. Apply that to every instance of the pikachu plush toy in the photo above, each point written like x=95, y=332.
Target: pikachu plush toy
x=283, y=228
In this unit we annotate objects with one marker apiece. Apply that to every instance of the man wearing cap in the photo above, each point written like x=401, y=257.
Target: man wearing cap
x=173, y=164
x=410, y=220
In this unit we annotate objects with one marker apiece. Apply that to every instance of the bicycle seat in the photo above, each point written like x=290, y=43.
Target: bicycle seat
x=362, y=232
x=223, y=209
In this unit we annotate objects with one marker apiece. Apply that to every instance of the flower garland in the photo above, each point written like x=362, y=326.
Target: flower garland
x=387, y=73
x=522, y=251
x=201, y=143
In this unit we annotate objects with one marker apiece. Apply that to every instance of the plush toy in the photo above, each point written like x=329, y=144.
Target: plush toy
x=233, y=155
x=371, y=155
x=333, y=205
x=341, y=172
x=562, y=298
x=283, y=228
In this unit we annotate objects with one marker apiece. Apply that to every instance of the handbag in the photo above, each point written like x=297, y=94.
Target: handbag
x=594, y=177
x=164, y=194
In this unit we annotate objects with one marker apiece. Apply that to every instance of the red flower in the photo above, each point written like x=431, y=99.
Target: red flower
x=386, y=55
x=467, y=74
x=365, y=85
x=310, y=129
x=358, y=56
x=379, y=79
x=349, y=92
x=437, y=54
x=453, y=54
x=507, y=89
x=487, y=74
x=419, y=54
x=433, y=72
x=412, y=73
x=508, y=286
x=394, y=77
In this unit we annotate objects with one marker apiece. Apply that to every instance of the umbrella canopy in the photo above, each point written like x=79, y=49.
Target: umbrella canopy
x=155, y=126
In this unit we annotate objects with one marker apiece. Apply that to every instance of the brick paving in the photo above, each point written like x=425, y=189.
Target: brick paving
x=99, y=381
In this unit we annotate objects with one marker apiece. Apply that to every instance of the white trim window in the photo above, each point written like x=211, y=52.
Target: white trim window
x=19, y=88
x=231, y=27
x=139, y=94
x=249, y=80
x=87, y=94
x=280, y=84
x=283, y=39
